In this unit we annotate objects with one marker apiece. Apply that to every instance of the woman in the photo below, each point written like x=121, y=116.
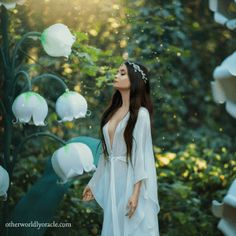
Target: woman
x=125, y=183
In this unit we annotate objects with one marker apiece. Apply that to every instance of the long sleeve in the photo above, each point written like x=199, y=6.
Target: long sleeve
x=144, y=160
x=142, y=128
x=97, y=182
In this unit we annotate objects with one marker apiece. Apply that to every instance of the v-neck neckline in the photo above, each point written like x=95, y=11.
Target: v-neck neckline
x=108, y=136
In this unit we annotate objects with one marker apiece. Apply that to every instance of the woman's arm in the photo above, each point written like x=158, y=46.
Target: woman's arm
x=133, y=200
x=137, y=187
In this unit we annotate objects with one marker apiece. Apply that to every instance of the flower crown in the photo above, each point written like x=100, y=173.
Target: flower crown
x=137, y=68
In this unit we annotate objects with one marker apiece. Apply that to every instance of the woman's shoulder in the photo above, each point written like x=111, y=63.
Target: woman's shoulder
x=143, y=119
x=143, y=115
x=143, y=112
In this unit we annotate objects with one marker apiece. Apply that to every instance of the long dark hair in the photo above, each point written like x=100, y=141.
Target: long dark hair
x=139, y=96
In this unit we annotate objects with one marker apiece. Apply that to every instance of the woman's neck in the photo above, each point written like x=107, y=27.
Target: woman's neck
x=125, y=95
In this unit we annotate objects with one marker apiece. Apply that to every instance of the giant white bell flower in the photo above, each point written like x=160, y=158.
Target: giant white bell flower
x=226, y=211
x=224, y=86
x=222, y=12
x=72, y=160
x=11, y=4
x=57, y=40
x=71, y=105
x=4, y=182
x=30, y=104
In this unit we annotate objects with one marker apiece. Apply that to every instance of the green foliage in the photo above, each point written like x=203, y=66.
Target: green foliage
x=190, y=178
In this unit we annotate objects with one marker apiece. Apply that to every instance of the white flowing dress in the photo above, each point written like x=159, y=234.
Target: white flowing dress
x=113, y=182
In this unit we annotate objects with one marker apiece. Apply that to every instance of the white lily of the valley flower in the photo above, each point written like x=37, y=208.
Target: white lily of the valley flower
x=71, y=105
x=4, y=182
x=227, y=211
x=222, y=14
x=72, y=160
x=224, y=86
x=57, y=40
x=11, y=4
x=30, y=104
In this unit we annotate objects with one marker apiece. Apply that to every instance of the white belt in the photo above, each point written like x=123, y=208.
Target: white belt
x=121, y=158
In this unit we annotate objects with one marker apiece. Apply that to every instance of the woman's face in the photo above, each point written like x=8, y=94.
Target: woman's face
x=121, y=80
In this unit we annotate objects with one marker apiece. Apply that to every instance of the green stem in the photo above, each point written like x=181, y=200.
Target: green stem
x=6, y=105
x=18, y=45
x=5, y=45
x=3, y=108
x=3, y=58
x=19, y=147
x=26, y=76
x=7, y=98
x=52, y=77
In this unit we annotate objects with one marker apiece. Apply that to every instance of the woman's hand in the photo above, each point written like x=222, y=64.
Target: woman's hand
x=132, y=204
x=87, y=194
x=133, y=200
